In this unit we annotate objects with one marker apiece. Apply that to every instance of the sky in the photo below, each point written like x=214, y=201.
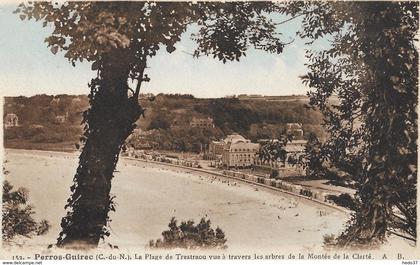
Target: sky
x=28, y=67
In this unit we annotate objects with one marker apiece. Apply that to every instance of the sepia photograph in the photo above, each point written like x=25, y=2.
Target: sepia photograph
x=209, y=130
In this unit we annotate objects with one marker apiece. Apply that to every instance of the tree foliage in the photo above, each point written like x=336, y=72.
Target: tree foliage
x=314, y=160
x=257, y=119
x=90, y=30
x=17, y=215
x=191, y=236
x=274, y=149
x=371, y=65
x=159, y=123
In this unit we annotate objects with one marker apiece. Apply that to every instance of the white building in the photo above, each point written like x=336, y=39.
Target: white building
x=238, y=151
x=216, y=147
x=11, y=120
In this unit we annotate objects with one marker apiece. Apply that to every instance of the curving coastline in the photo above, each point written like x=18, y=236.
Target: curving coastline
x=149, y=194
x=279, y=186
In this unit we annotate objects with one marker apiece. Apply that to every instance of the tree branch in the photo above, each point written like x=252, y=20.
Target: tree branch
x=289, y=19
x=403, y=236
x=287, y=43
x=140, y=77
x=132, y=91
x=189, y=53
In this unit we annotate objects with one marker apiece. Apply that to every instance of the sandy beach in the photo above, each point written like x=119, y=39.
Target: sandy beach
x=148, y=195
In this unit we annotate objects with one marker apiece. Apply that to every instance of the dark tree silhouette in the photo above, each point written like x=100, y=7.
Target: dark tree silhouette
x=18, y=216
x=372, y=66
x=118, y=38
x=191, y=236
x=312, y=160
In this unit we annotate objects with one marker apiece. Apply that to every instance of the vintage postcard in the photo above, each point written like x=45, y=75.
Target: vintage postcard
x=234, y=130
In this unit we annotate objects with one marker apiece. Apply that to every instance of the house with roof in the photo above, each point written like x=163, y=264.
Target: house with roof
x=202, y=122
x=11, y=120
x=238, y=152
x=216, y=147
x=295, y=129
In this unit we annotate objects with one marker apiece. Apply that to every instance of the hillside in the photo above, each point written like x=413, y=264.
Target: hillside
x=54, y=122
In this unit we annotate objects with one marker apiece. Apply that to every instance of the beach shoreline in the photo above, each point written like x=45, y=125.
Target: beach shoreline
x=149, y=194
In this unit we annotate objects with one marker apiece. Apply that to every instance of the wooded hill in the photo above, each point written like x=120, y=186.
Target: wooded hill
x=54, y=122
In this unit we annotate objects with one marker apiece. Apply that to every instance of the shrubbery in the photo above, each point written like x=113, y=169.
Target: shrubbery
x=344, y=200
x=190, y=236
x=50, y=134
x=18, y=216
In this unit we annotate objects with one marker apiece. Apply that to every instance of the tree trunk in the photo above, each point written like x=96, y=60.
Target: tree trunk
x=109, y=121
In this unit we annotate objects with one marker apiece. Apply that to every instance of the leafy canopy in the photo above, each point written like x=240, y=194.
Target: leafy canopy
x=371, y=66
x=90, y=30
